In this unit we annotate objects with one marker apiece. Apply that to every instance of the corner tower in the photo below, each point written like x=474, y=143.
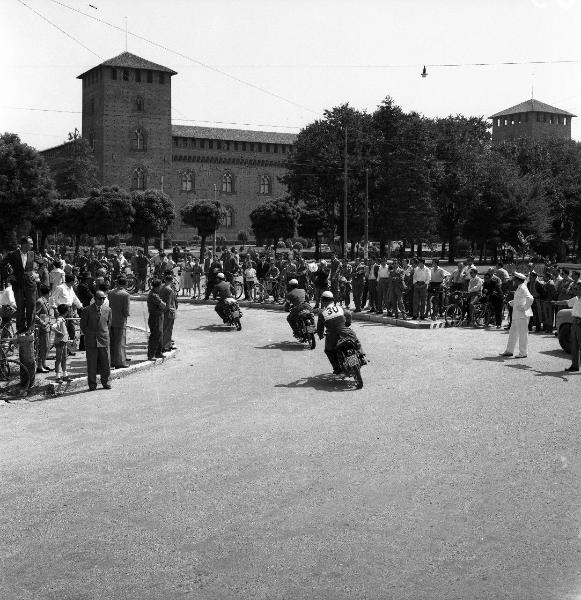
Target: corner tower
x=126, y=118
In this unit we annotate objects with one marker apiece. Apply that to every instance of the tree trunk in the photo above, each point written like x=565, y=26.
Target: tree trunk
x=145, y=244
x=382, y=248
x=389, y=242
x=43, y=237
x=203, y=248
x=443, y=251
x=106, y=242
x=451, y=245
x=420, y=248
x=77, y=243
x=412, y=246
x=317, y=247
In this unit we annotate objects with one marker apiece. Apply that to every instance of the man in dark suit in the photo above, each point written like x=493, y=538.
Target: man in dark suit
x=22, y=266
x=119, y=305
x=95, y=323
x=169, y=296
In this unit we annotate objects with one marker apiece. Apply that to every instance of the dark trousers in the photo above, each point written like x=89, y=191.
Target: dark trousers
x=575, y=341
x=535, y=320
x=420, y=297
x=98, y=363
x=155, y=323
x=42, y=347
x=496, y=304
x=118, y=344
x=166, y=340
x=357, y=294
x=382, y=294
x=365, y=293
x=25, y=306
x=372, y=292
x=333, y=359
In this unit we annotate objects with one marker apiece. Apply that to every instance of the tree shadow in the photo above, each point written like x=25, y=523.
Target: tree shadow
x=326, y=382
x=556, y=374
x=521, y=367
x=286, y=345
x=558, y=352
x=494, y=358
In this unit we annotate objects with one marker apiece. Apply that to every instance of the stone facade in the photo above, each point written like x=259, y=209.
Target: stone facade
x=126, y=116
x=531, y=119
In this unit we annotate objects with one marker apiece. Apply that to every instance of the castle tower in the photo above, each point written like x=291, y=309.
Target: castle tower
x=531, y=119
x=126, y=117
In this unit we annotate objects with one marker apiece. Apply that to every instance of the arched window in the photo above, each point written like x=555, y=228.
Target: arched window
x=265, y=185
x=227, y=217
x=139, y=145
x=138, y=182
x=227, y=182
x=187, y=182
x=139, y=103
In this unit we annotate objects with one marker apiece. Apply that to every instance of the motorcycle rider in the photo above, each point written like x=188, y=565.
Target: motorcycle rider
x=221, y=290
x=336, y=321
x=296, y=302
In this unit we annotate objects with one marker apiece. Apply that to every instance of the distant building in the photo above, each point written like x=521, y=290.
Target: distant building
x=126, y=117
x=531, y=119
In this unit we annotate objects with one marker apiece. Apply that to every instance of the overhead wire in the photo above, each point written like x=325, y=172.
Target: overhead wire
x=186, y=57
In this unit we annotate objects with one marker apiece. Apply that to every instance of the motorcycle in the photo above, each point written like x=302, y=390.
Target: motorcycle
x=232, y=313
x=305, y=328
x=350, y=361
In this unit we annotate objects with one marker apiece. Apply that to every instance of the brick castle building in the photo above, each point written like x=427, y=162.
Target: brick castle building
x=126, y=117
x=531, y=119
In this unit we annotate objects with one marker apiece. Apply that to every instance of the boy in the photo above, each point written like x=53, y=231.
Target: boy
x=61, y=341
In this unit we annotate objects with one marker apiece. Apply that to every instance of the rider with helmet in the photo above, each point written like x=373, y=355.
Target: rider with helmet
x=221, y=291
x=336, y=321
x=296, y=302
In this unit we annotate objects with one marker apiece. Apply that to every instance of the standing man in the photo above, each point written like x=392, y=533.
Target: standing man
x=24, y=283
x=119, y=305
x=141, y=266
x=437, y=277
x=358, y=283
x=156, y=308
x=95, y=323
x=169, y=296
x=211, y=276
x=521, y=312
x=372, y=283
x=421, y=279
x=382, y=298
x=65, y=294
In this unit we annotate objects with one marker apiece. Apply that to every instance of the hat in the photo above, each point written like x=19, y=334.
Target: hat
x=327, y=294
x=324, y=263
x=221, y=276
x=518, y=275
x=293, y=282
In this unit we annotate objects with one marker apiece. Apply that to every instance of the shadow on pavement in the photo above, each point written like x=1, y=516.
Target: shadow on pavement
x=557, y=374
x=557, y=352
x=214, y=327
x=325, y=382
x=494, y=358
x=283, y=346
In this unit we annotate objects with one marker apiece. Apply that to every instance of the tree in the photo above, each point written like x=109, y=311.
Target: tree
x=315, y=177
x=75, y=170
x=274, y=220
x=205, y=216
x=108, y=211
x=154, y=213
x=71, y=218
x=25, y=186
x=459, y=146
x=311, y=224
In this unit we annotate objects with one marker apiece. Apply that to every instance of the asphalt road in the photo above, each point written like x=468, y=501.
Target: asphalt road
x=243, y=469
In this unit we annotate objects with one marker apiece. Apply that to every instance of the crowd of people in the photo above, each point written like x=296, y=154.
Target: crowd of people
x=53, y=291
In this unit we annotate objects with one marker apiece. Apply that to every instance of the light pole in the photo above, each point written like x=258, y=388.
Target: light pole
x=215, y=200
x=345, y=184
x=366, y=217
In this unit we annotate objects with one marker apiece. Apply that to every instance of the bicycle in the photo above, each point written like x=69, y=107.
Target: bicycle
x=270, y=287
x=15, y=379
x=457, y=311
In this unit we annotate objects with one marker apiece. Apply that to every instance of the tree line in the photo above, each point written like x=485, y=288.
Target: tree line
x=435, y=180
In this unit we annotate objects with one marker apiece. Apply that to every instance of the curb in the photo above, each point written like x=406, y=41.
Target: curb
x=53, y=390
x=368, y=317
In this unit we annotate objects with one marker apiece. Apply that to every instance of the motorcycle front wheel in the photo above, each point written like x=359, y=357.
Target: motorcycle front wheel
x=357, y=376
x=238, y=324
x=312, y=341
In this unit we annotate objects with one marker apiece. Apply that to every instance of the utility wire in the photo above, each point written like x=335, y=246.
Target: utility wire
x=189, y=58
x=60, y=29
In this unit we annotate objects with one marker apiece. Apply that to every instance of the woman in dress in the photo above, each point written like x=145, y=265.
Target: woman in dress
x=187, y=279
x=197, y=271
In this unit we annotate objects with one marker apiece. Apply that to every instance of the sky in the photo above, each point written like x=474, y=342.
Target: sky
x=304, y=55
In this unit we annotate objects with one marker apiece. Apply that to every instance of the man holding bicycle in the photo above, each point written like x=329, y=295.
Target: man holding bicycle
x=435, y=292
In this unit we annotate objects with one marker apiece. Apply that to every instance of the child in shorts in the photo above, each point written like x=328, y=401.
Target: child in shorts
x=61, y=340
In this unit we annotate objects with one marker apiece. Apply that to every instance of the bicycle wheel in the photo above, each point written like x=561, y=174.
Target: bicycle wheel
x=281, y=293
x=14, y=378
x=258, y=294
x=7, y=340
x=479, y=316
x=237, y=289
x=453, y=315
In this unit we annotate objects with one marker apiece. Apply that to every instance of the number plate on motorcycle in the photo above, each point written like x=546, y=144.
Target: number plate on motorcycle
x=235, y=314
x=311, y=329
x=351, y=361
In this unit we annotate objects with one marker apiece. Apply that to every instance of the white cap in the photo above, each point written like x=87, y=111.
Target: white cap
x=293, y=282
x=221, y=276
x=519, y=275
x=327, y=294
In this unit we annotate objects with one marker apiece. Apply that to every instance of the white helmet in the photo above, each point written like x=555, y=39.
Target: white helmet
x=327, y=295
x=221, y=276
x=293, y=282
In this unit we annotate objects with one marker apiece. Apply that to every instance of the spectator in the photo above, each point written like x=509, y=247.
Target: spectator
x=421, y=279
x=372, y=283
x=382, y=298
x=119, y=302
x=458, y=278
x=197, y=278
x=186, y=269
x=156, y=308
x=549, y=296
x=503, y=275
x=536, y=289
x=95, y=323
x=437, y=277
x=141, y=265
x=43, y=328
x=61, y=341
x=169, y=297
x=475, y=284
x=321, y=281
x=65, y=294
x=358, y=280
x=7, y=305
x=249, y=279
x=521, y=305
x=492, y=289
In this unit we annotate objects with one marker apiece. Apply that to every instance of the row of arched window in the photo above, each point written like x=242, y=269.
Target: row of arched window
x=227, y=186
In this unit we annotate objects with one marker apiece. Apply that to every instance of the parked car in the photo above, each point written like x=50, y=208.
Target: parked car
x=564, y=320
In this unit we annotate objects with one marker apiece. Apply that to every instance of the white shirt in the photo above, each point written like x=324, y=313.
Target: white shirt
x=422, y=274
x=63, y=294
x=438, y=274
x=475, y=284
x=7, y=297
x=250, y=274
x=24, y=258
x=575, y=304
x=383, y=272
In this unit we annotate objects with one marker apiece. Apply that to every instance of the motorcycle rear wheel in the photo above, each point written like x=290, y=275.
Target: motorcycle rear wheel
x=238, y=324
x=357, y=376
x=312, y=341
